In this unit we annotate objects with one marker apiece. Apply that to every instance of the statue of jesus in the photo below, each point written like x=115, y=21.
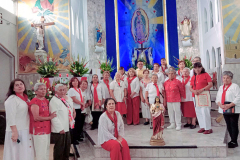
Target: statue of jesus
x=40, y=37
x=186, y=27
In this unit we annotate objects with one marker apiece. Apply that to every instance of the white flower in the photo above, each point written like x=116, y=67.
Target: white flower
x=50, y=92
x=74, y=70
x=50, y=95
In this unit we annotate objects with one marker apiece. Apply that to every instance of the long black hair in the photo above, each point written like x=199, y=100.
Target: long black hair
x=198, y=65
x=11, y=88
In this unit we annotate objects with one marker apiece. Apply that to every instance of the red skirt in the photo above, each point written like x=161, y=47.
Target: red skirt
x=158, y=124
x=121, y=108
x=188, y=109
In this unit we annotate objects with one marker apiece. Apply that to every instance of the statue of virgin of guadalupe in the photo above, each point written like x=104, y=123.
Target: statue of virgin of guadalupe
x=140, y=28
x=157, y=110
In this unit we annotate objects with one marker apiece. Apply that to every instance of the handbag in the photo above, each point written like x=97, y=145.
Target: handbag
x=229, y=110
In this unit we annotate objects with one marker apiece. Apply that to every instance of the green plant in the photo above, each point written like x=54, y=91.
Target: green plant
x=78, y=68
x=106, y=66
x=48, y=68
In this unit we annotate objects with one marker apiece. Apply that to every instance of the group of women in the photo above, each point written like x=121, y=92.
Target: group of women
x=107, y=102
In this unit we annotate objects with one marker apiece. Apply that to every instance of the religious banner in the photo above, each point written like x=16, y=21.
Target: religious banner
x=231, y=20
x=141, y=32
x=43, y=31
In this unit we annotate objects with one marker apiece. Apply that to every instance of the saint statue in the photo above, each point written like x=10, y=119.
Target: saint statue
x=99, y=34
x=150, y=57
x=157, y=110
x=140, y=28
x=40, y=36
x=186, y=27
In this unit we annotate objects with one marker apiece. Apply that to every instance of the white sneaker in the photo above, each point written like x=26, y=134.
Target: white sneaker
x=178, y=128
x=172, y=126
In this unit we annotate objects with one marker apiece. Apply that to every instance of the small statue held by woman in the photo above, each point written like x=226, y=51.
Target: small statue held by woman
x=157, y=110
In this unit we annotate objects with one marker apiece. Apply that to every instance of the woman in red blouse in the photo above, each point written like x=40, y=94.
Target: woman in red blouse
x=40, y=122
x=201, y=81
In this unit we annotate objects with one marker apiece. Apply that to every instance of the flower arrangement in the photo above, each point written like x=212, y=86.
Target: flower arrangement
x=77, y=68
x=48, y=68
x=106, y=66
x=187, y=61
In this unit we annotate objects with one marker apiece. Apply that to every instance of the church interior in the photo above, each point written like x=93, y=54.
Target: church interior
x=53, y=41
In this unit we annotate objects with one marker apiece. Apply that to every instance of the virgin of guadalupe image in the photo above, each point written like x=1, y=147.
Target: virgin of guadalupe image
x=157, y=110
x=140, y=28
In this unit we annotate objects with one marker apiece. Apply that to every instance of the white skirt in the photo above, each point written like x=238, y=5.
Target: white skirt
x=145, y=110
x=18, y=151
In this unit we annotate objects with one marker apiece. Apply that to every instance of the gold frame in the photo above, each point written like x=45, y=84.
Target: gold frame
x=165, y=32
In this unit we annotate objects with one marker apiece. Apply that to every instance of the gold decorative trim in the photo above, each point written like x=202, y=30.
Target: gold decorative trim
x=117, y=33
x=165, y=31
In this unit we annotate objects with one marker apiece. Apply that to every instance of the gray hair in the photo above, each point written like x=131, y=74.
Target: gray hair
x=155, y=75
x=116, y=74
x=36, y=86
x=187, y=69
x=57, y=86
x=172, y=69
x=228, y=73
x=197, y=57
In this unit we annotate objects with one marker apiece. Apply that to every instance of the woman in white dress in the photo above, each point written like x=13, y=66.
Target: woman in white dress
x=228, y=98
x=18, y=143
x=143, y=84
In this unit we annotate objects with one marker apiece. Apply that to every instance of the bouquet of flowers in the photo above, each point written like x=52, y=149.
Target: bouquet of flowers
x=187, y=61
x=78, y=69
x=48, y=68
x=106, y=66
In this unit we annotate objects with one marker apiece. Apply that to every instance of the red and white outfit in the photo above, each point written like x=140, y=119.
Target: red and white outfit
x=144, y=106
x=161, y=69
x=97, y=95
x=187, y=104
x=118, y=92
x=203, y=113
x=17, y=115
x=133, y=104
x=152, y=92
x=106, y=89
x=41, y=129
x=124, y=77
x=108, y=131
x=174, y=91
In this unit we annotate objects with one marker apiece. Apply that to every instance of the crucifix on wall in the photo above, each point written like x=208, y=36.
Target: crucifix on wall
x=40, y=31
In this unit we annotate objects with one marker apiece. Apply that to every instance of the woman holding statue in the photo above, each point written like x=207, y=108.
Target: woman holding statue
x=143, y=84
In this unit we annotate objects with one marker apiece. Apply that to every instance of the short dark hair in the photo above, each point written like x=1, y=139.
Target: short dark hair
x=156, y=64
x=121, y=68
x=163, y=58
x=140, y=61
x=106, y=101
x=182, y=62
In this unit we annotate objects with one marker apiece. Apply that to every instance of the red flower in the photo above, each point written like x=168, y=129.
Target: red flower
x=85, y=64
x=99, y=62
x=48, y=59
x=185, y=57
x=190, y=58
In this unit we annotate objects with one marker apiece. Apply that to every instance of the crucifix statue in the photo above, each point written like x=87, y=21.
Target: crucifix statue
x=142, y=53
x=40, y=31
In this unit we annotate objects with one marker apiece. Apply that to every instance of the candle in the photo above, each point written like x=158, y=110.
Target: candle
x=67, y=75
x=59, y=74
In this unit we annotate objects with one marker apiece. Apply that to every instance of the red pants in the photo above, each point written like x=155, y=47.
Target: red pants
x=133, y=106
x=116, y=151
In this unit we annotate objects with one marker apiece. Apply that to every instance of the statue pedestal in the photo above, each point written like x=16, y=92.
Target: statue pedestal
x=40, y=55
x=187, y=43
x=157, y=142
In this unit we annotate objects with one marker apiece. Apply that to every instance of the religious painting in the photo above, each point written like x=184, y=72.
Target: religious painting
x=141, y=32
x=231, y=21
x=140, y=26
x=43, y=31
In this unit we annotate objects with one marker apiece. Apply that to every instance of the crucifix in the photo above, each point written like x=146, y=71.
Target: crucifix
x=142, y=55
x=40, y=31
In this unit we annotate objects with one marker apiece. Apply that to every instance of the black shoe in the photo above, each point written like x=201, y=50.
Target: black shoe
x=81, y=136
x=80, y=140
x=187, y=125
x=124, y=116
x=232, y=145
x=193, y=126
x=76, y=143
x=146, y=123
x=71, y=155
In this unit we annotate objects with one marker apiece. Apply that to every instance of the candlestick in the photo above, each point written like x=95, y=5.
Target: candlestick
x=67, y=75
x=60, y=75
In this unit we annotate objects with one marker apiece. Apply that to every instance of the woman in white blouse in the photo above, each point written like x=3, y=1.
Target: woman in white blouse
x=143, y=84
x=228, y=98
x=111, y=132
x=133, y=100
x=105, y=82
x=97, y=99
x=118, y=91
x=78, y=103
x=18, y=143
